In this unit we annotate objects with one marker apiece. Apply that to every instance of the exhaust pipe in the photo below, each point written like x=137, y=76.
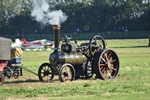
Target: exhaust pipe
x=56, y=31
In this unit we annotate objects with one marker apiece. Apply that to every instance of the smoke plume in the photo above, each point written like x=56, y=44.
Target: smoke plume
x=42, y=13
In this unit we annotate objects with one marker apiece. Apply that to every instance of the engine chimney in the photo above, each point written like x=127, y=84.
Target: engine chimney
x=56, y=31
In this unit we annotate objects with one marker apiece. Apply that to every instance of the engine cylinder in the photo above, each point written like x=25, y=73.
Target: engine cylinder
x=74, y=58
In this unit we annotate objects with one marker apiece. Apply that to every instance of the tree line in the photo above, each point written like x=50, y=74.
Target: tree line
x=83, y=16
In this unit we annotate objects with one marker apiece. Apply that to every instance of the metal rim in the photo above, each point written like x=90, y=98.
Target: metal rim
x=96, y=44
x=107, y=65
x=45, y=73
x=1, y=79
x=66, y=73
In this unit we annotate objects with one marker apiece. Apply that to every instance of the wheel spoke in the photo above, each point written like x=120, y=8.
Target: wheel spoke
x=105, y=54
x=102, y=64
x=113, y=61
x=109, y=55
x=109, y=74
x=103, y=69
x=103, y=59
x=113, y=68
x=43, y=69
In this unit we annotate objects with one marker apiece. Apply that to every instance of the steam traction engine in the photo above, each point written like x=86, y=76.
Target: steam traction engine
x=74, y=61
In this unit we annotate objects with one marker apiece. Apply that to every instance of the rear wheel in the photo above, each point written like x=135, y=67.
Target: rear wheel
x=106, y=64
x=1, y=79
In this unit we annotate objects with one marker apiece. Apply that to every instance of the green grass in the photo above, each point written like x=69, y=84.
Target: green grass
x=132, y=83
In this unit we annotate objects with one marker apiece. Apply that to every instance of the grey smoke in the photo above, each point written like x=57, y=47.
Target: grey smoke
x=42, y=13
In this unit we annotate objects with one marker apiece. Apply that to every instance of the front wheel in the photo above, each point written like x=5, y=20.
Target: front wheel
x=66, y=73
x=1, y=79
x=45, y=72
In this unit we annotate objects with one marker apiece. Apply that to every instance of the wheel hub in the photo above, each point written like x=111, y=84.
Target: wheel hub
x=65, y=74
x=46, y=73
x=108, y=64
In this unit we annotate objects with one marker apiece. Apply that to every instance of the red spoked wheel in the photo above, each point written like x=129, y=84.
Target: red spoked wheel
x=45, y=72
x=66, y=73
x=106, y=64
x=1, y=79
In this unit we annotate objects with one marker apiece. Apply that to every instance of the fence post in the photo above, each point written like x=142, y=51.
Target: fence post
x=149, y=41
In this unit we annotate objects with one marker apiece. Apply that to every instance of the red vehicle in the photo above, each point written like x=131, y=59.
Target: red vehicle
x=9, y=60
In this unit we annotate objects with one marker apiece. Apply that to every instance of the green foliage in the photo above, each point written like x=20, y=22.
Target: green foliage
x=87, y=15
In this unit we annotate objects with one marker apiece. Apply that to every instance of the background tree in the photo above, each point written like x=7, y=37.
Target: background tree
x=83, y=16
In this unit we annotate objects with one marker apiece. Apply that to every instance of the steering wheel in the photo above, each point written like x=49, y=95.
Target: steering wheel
x=96, y=44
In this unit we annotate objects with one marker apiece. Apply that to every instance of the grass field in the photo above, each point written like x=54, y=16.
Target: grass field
x=132, y=82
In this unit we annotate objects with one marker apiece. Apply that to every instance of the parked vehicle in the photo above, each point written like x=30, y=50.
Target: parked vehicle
x=10, y=60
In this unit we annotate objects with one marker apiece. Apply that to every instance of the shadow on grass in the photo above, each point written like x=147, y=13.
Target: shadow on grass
x=133, y=47
x=17, y=81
